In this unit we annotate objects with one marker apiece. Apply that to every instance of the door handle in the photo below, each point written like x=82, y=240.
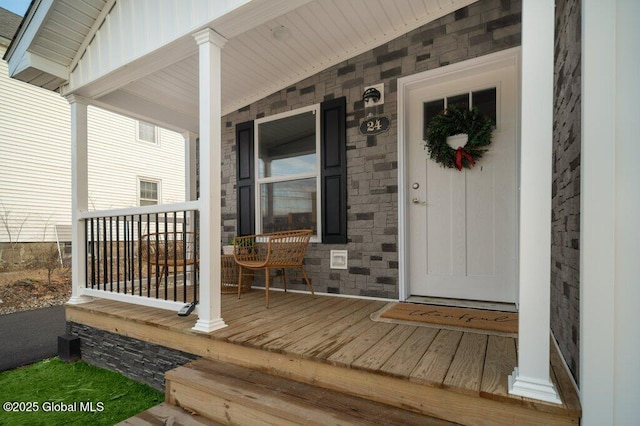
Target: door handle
x=418, y=202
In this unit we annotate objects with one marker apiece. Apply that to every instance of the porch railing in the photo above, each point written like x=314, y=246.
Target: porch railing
x=149, y=253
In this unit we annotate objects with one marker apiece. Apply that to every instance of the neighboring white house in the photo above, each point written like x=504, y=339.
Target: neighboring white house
x=131, y=163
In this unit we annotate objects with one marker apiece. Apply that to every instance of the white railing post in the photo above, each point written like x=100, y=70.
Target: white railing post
x=190, y=192
x=531, y=377
x=210, y=89
x=80, y=197
x=190, y=165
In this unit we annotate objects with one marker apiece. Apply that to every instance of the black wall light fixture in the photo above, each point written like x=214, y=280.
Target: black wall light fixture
x=371, y=95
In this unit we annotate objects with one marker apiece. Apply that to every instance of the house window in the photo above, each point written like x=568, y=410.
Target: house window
x=149, y=192
x=292, y=172
x=288, y=165
x=484, y=100
x=147, y=132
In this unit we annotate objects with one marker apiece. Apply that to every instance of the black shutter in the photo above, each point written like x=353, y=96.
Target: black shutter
x=334, y=171
x=245, y=178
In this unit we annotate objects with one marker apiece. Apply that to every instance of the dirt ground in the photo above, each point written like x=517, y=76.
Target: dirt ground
x=29, y=289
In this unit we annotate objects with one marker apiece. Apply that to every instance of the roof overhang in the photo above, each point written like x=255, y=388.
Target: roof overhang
x=28, y=66
x=160, y=84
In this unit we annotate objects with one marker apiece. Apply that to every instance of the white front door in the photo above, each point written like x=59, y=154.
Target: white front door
x=461, y=230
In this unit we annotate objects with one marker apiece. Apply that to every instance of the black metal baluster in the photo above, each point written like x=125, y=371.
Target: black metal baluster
x=196, y=274
x=186, y=239
x=125, y=248
x=132, y=248
x=118, y=254
x=185, y=246
x=130, y=258
x=166, y=256
x=130, y=263
x=93, y=256
x=98, y=258
x=148, y=255
x=175, y=258
x=110, y=253
x=157, y=233
x=86, y=252
x=140, y=252
x=104, y=247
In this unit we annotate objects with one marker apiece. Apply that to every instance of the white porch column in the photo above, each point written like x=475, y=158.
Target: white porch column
x=531, y=377
x=209, y=310
x=609, y=205
x=79, y=197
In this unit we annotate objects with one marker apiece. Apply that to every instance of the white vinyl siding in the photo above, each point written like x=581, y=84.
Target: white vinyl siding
x=116, y=160
x=35, y=161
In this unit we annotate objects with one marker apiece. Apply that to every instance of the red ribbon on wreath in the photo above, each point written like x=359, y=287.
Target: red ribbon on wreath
x=460, y=154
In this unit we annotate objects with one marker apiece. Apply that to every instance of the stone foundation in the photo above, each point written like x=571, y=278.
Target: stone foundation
x=140, y=361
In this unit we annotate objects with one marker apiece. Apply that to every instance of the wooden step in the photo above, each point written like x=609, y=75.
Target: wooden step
x=167, y=414
x=230, y=394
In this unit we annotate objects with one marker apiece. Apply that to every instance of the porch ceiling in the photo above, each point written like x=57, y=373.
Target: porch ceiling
x=163, y=86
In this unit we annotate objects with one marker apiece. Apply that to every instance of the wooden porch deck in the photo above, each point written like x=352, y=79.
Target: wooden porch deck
x=331, y=342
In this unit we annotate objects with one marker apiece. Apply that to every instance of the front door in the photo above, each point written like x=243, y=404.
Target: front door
x=461, y=228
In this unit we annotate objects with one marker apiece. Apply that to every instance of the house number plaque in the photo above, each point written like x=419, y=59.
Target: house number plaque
x=374, y=126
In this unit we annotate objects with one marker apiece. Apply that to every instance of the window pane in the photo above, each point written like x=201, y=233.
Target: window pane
x=431, y=109
x=288, y=146
x=485, y=101
x=146, y=132
x=148, y=193
x=461, y=101
x=288, y=205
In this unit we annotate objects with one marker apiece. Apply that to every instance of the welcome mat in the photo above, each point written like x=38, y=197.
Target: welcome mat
x=449, y=317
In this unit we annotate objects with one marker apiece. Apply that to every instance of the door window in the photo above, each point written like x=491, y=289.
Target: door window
x=484, y=100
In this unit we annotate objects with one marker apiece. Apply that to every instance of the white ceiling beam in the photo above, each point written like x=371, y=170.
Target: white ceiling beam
x=136, y=107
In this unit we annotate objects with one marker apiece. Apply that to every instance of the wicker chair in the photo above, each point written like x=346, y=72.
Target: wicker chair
x=167, y=250
x=277, y=250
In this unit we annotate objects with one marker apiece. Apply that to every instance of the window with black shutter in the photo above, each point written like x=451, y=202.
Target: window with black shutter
x=291, y=172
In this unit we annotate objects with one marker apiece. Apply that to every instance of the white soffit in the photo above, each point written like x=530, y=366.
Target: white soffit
x=255, y=64
x=323, y=33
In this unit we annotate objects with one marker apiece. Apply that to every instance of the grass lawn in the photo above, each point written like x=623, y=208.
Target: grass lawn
x=58, y=393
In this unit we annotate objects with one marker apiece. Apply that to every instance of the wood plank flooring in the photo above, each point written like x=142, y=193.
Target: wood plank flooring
x=338, y=332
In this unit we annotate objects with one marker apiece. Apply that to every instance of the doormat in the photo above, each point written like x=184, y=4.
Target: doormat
x=465, y=319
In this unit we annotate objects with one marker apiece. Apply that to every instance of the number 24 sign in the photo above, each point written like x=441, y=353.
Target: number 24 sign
x=374, y=126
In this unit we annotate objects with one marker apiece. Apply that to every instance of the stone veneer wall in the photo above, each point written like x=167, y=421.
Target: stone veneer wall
x=565, y=234
x=140, y=361
x=481, y=28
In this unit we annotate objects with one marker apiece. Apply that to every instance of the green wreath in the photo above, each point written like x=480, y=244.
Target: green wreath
x=454, y=121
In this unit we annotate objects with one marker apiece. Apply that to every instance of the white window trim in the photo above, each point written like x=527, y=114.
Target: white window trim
x=156, y=133
x=318, y=174
x=152, y=180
